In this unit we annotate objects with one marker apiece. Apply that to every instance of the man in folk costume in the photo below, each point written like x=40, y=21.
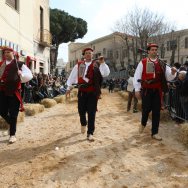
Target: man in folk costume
x=12, y=73
x=150, y=82
x=88, y=75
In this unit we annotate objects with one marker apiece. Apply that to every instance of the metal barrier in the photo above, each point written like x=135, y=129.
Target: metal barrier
x=118, y=74
x=174, y=104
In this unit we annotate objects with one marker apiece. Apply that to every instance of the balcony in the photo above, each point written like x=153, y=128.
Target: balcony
x=45, y=38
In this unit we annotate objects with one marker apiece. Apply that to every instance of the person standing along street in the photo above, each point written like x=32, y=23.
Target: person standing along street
x=149, y=82
x=12, y=74
x=88, y=75
x=111, y=85
x=131, y=93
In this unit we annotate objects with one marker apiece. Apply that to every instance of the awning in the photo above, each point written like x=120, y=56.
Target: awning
x=29, y=59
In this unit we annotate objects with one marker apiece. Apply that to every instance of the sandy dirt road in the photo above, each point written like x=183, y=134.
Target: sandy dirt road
x=118, y=158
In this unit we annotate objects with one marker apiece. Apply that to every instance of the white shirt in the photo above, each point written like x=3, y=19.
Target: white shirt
x=138, y=75
x=73, y=77
x=26, y=73
x=130, y=84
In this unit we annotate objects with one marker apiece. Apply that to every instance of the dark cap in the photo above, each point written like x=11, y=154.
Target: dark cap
x=86, y=49
x=7, y=49
x=149, y=45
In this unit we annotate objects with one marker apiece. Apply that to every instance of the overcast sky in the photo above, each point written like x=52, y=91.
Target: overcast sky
x=101, y=15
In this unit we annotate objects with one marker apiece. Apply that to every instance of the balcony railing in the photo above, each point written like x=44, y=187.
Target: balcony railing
x=45, y=38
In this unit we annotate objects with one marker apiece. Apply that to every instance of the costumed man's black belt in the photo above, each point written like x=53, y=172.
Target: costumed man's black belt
x=152, y=81
x=85, y=85
x=2, y=83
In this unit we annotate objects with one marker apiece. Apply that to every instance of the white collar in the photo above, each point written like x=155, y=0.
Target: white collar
x=87, y=63
x=153, y=60
x=8, y=62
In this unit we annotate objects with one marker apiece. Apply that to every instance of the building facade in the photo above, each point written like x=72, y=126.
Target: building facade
x=42, y=36
x=21, y=25
x=109, y=46
x=173, y=46
x=60, y=67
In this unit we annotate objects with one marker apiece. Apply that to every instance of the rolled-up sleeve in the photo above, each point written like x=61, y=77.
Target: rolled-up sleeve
x=73, y=77
x=26, y=74
x=104, y=69
x=138, y=76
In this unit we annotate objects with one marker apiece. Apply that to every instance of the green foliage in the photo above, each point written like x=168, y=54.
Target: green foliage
x=66, y=28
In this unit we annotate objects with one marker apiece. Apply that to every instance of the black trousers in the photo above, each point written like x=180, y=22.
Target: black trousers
x=9, y=109
x=151, y=102
x=87, y=103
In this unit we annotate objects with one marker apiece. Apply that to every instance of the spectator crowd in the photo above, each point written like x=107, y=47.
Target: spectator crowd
x=43, y=86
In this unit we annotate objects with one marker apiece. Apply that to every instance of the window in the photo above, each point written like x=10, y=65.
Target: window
x=186, y=42
x=41, y=64
x=104, y=51
x=13, y=3
x=110, y=54
x=124, y=53
x=41, y=70
x=171, y=45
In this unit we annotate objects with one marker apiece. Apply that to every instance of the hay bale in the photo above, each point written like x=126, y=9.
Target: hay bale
x=104, y=91
x=184, y=133
x=59, y=99
x=139, y=105
x=48, y=103
x=116, y=89
x=5, y=125
x=125, y=95
x=32, y=109
x=120, y=93
x=21, y=117
x=72, y=95
x=164, y=116
x=72, y=98
x=75, y=92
